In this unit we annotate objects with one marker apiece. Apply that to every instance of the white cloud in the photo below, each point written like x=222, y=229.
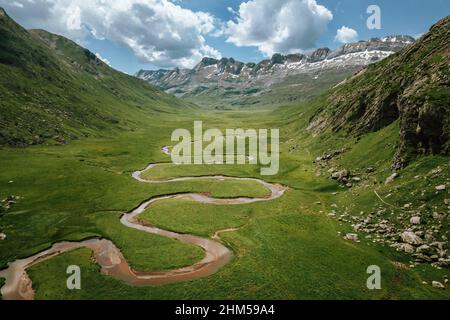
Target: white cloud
x=157, y=31
x=231, y=10
x=279, y=25
x=346, y=35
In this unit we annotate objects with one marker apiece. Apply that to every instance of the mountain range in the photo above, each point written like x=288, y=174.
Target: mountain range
x=228, y=78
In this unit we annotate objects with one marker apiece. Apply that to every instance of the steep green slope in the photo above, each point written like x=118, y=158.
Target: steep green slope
x=396, y=111
x=412, y=86
x=52, y=89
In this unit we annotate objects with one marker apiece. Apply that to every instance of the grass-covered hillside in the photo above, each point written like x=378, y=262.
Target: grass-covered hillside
x=383, y=137
x=51, y=89
x=411, y=87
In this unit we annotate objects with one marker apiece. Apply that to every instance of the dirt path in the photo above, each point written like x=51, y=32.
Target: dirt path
x=18, y=285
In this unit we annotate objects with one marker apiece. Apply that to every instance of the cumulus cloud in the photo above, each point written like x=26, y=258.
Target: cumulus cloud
x=346, y=35
x=157, y=31
x=279, y=25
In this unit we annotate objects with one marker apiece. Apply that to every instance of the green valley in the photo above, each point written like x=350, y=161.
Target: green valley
x=73, y=131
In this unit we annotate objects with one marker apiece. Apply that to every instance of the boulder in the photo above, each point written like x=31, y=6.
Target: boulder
x=411, y=238
x=445, y=263
x=405, y=247
x=422, y=258
x=442, y=253
x=425, y=249
x=437, y=216
x=2, y=236
x=351, y=237
x=438, y=285
x=392, y=178
x=441, y=187
x=415, y=220
x=339, y=175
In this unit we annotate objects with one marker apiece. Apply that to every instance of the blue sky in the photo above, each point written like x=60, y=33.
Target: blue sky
x=151, y=34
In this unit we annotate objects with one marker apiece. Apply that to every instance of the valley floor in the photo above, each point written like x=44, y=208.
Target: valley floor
x=288, y=248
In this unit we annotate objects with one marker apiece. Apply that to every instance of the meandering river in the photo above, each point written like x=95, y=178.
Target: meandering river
x=18, y=285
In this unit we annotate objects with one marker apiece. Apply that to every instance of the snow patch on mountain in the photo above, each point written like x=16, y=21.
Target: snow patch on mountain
x=228, y=74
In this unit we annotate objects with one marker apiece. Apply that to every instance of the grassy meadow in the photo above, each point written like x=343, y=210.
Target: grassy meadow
x=288, y=248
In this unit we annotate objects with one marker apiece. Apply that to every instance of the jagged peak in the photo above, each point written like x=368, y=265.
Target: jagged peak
x=229, y=65
x=279, y=58
x=319, y=54
x=322, y=50
x=316, y=55
x=207, y=61
x=395, y=38
x=225, y=65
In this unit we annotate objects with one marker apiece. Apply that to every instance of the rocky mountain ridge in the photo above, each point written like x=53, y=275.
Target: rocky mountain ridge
x=230, y=74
